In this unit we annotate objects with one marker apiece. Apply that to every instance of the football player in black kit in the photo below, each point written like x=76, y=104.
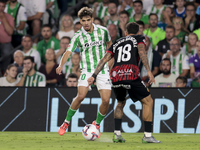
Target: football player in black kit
x=127, y=51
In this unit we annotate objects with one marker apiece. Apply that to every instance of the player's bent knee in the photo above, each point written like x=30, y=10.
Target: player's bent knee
x=80, y=97
x=105, y=102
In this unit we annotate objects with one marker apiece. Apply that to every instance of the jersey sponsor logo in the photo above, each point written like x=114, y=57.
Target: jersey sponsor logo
x=124, y=72
x=122, y=85
x=95, y=43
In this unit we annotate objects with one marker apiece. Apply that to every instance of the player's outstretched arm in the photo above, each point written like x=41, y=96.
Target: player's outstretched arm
x=144, y=59
x=99, y=67
x=63, y=61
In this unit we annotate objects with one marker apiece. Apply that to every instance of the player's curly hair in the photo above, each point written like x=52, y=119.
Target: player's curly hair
x=85, y=11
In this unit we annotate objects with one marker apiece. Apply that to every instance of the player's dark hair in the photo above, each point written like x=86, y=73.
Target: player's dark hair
x=153, y=14
x=140, y=22
x=99, y=19
x=65, y=37
x=166, y=59
x=132, y=28
x=170, y=27
x=124, y=12
x=3, y=1
x=72, y=75
x=10, y=66
x=138, y=1
x=29, y=57
x=47, y=26
x=28, y=36
x=85, y=11
x=182, y=78
x=116, y=2
x=190, y=4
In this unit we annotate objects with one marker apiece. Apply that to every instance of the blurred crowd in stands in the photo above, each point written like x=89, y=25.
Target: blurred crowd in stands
x=34, y=34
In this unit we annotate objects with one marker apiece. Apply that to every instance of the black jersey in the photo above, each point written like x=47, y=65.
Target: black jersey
x=125, y=53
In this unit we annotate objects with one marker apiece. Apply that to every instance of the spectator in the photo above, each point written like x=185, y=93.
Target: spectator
x=49, y=69
x=6, y=30
x=64, y=42
x=167, y=18
x=123, y=20
x=181, y=82
x=190, y=48
x=141, y=27
x=18, y=60
x=27, y=44
x=112, y=18
x=180, y=10
x=139, y=16
x=163, y=46
x=75, y=60
x=157, y=8
x=66, y=27
x=18, y=12
x=147, y=4
x=195, y=67
x=127, y=5
x=154, y=61
x=49, y=41
x=197, y=32
x=98, y=21
x=72, y=80
x=77, y=26
x=100, y=9
x=191, y=20
x=9, y=80
x=166, y=79
x=156, y=33
x=112, y=28
x=180, y=31
x=180, y=64
x=48, y=15
x=30, y=77
x=35, y=10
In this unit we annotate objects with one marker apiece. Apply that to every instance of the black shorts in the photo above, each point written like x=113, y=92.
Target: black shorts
x=136, y=90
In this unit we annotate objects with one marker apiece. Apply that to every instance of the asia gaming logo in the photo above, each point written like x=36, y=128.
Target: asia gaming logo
x=122, y=72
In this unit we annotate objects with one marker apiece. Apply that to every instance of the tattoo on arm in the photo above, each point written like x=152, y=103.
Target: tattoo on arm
x=143, y=56
x=102, y=62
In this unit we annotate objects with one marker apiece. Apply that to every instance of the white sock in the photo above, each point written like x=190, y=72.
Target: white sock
x=118, y=132
x=147, y=134
x=67, y=121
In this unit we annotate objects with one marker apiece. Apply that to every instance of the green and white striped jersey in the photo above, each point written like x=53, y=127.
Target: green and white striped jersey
x=36, y=80
x=153, y=9
x=178, y=63
x=109, y=21
x=101, y=11
x=18, y=15
x=92, y=47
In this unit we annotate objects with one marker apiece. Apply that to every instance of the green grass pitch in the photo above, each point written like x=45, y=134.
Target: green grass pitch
x=75, y=141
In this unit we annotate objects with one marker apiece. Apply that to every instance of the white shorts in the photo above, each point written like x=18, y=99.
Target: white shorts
x=102, y=81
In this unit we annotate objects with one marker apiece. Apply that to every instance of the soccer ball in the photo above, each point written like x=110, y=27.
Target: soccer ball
x=90, y=132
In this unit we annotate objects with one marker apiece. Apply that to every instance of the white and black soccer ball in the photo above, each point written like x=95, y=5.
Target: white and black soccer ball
x=90, y=132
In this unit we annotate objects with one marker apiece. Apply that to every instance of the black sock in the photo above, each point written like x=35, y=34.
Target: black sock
x=118, y=123
x=147, y=126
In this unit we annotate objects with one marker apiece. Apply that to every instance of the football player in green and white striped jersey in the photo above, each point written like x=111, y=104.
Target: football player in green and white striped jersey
x=30, y=77
x=92, y=41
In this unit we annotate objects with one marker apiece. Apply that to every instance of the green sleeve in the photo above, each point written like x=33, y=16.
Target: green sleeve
x=39, y=48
